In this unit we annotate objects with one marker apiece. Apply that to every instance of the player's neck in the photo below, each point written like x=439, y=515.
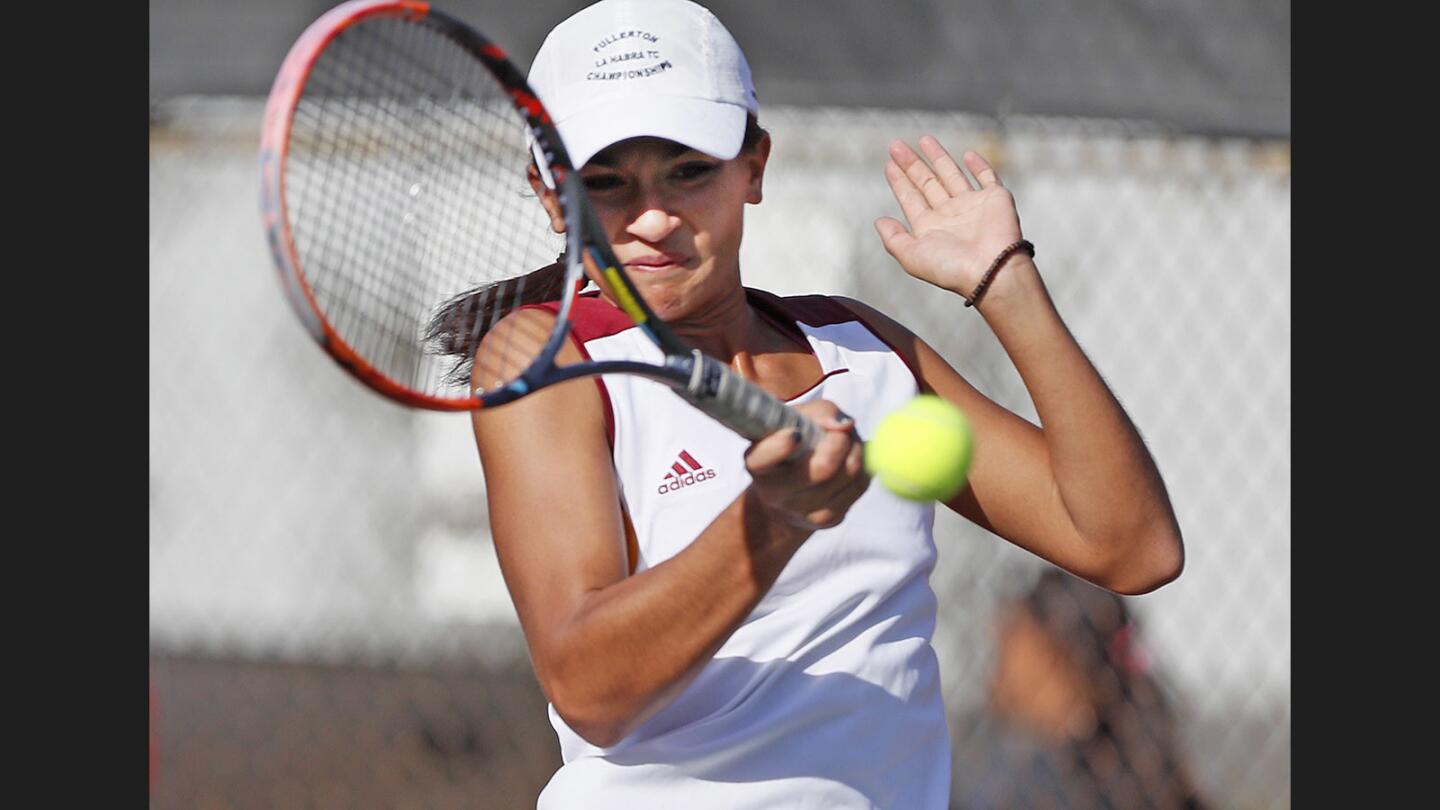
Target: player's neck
x=735, y=333
x=723, y=330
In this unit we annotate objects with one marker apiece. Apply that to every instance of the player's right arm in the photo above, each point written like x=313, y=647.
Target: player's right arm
x=609, y=648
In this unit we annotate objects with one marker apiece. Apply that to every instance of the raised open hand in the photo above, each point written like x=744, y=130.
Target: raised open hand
x=956, y=230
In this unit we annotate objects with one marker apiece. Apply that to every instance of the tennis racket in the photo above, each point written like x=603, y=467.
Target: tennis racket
x=394, y=158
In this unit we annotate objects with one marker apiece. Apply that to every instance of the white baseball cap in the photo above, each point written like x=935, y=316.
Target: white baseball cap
x=629, y=68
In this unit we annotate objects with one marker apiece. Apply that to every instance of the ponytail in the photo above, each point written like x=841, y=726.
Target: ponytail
x=463, y=321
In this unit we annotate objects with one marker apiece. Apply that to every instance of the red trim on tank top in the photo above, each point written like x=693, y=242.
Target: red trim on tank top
x=593, y=317
x=818, y=310
x=811, y=310
x=856, y=317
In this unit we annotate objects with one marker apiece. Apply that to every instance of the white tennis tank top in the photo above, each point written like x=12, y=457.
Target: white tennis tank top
x=828, y=695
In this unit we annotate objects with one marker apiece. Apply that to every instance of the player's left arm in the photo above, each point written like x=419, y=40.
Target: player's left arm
x=1081, y=490
x=1082, y=493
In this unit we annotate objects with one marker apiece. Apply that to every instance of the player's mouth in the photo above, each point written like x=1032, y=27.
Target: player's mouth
x=656, y=262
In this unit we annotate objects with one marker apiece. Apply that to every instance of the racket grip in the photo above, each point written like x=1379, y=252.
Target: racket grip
x=744, y=407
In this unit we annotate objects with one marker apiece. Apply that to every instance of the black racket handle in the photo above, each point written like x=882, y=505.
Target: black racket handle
x=741, y=405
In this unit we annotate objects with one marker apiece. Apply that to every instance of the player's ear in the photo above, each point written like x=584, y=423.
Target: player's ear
x=755, y=159
x=547, y=197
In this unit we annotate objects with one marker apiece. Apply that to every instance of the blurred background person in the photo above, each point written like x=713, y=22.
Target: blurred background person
x=1084, y=722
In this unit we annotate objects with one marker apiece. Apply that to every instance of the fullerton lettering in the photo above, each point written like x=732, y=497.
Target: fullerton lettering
x=616, y=37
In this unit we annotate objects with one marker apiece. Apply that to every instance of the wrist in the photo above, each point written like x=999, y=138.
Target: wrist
x=1018, y=247
x=770, y=527
x=1016, y=285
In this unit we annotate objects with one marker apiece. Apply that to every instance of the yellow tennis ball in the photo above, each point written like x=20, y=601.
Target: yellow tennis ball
x=921, y=451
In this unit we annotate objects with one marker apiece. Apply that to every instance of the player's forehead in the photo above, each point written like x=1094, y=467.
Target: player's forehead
x=633, y=150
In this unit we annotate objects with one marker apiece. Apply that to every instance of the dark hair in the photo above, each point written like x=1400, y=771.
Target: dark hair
x=462, y=322
x=753, y=133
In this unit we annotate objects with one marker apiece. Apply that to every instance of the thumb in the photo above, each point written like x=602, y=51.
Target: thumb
x=894, y=236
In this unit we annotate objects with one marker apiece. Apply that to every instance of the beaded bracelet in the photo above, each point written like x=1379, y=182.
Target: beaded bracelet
x=1023, y=245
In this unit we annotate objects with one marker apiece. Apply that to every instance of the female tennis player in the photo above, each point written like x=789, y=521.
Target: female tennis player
x=715, y=623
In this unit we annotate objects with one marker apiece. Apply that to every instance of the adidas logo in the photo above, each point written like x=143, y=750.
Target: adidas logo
x=684, y=472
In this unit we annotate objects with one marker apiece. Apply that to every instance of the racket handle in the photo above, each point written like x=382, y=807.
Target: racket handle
x=741, y=405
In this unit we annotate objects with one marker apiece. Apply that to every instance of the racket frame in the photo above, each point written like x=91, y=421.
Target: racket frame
x=701, y=380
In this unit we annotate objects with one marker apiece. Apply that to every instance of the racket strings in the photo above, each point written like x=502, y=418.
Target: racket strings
x=367, y=307
x=411, y=215
x=377, y=62
x=373, y=306
x=461, y=328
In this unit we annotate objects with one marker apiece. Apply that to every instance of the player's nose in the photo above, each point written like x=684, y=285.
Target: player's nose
x=653, y=224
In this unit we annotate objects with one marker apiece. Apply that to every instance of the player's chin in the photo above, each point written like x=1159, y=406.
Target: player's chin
x=666, y=281
x=668, y=305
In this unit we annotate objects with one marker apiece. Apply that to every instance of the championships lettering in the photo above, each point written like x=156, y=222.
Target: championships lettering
x=635, y=73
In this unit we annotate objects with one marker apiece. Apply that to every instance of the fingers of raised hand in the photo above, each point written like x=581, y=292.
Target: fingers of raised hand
x=912, y=202
x=946, y=168
x=982, y=170
x=919, y=173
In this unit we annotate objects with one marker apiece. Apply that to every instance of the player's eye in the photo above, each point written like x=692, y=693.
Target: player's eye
x=598, y=183
x=693, y=170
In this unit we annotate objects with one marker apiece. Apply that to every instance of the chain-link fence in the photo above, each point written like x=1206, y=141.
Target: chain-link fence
x=328, y=625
